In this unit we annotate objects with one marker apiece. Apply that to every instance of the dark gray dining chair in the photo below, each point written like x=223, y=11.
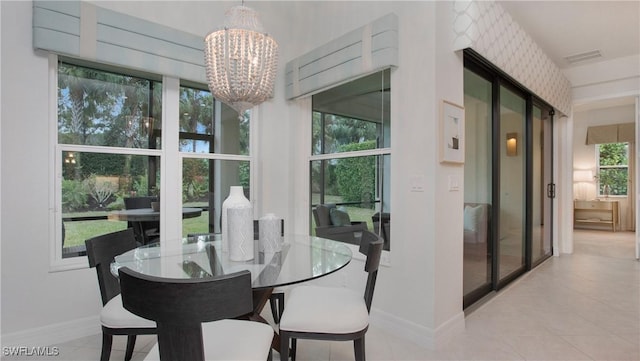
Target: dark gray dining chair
x=194, y=316
x=115, y=320
x=146, y=231
x=276, y=299
x=332, y=313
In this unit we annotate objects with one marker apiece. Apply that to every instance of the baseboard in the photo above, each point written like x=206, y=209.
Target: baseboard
x=55, y=334
x=52, y=335
x=419, y=334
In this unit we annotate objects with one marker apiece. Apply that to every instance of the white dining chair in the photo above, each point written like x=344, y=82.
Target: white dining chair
x=114, y=318
x=331, y=313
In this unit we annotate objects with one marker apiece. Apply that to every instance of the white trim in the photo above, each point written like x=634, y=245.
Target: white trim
x=299, y=204
x=171, y=164
x=358, y=153
x=255, y=167
x=419, y=334
x=56, y=262
x=108, y=150
x=54, y=334
x=563, y=144
x=55, y=230
x=216, y=156
x=637, y=177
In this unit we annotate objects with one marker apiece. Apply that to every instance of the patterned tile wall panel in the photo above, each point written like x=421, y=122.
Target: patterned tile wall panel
x=488, y=29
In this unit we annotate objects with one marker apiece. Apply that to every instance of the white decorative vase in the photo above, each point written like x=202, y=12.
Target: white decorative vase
x=240, y=222
x=236, y=199
x=270, y=233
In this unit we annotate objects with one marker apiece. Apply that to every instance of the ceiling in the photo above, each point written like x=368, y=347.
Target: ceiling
x=567, y=28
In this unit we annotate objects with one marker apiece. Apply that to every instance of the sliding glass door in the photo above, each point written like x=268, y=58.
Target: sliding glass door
x=542, y=184
x=511, y=220
x=507, y=208
x=477, y=187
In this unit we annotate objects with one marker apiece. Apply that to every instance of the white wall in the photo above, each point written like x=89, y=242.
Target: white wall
x=31, y=296
x=420, y=293
x=422, y=289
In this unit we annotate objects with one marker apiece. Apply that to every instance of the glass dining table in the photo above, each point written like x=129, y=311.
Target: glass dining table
x=302, y=258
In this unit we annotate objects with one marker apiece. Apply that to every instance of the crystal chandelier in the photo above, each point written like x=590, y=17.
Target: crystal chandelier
x=241, y=60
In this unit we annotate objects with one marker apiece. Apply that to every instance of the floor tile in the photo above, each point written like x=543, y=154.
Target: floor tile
x=489, y=346
x=545, y=347
x=603, y=348
x=573, y=307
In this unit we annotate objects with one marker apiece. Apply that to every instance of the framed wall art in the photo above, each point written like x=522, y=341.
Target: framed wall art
x=451, y=133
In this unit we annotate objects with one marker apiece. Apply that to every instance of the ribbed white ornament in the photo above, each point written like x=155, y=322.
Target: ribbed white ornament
x=270, y=234
x=240, y=222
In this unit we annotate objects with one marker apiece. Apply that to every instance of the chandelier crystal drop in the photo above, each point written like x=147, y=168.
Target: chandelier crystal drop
x=241, y=60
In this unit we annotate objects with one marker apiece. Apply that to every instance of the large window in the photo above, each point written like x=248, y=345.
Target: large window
x=612, y=169
x=350, y=162
x=109, y=147
x=214, y=143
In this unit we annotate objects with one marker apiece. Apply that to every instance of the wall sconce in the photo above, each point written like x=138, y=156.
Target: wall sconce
x=512, y=144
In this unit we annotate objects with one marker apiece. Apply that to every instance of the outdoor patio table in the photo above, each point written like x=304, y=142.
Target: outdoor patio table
x=136, y=217
x=148, y=214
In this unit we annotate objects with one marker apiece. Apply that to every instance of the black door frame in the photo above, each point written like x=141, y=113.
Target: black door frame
x=483, y=68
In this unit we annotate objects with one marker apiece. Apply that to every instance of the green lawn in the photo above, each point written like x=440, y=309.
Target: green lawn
x=77, y=232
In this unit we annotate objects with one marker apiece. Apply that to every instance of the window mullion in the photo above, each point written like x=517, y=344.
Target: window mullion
x=171, y=165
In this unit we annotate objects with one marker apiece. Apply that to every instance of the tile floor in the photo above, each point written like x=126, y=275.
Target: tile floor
x=580, y=307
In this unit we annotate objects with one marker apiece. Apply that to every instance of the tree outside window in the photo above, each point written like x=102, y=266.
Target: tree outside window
x=108, y=145
x=613, y=169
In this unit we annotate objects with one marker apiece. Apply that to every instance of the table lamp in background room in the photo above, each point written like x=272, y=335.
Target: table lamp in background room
x=582, y=178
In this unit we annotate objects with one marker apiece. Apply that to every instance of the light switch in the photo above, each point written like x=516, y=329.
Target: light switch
x=417, y=183
x=454, y=185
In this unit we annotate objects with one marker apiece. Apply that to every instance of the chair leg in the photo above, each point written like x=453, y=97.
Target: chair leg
x=358, y=347
x=276, y=301
x=107, y=340
x=284, y=346
x=131, y=343
x=280, y=305
x=294, y=347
